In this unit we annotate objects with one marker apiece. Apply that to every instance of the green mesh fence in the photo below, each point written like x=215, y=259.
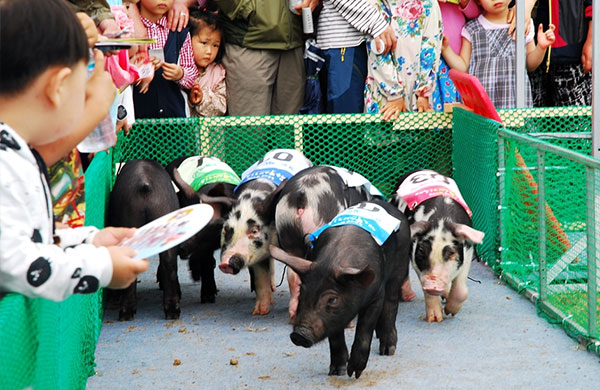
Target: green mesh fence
x=542, y=210
x=50, y=345
x=381, y=151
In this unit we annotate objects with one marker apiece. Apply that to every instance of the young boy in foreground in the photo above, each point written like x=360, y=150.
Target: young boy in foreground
x=43, y=73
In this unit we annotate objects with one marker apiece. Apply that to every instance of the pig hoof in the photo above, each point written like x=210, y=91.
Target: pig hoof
x=207, y=299
x=449, y=311
x=126, y=314
x=172, y=311
x=387, y=350
x=258, y=311
x=356, y=366
x=337, y=370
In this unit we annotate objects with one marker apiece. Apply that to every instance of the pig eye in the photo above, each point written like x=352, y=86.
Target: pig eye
x=254, y=230
x=332, y=301
x=449, y=253
x=227, y=233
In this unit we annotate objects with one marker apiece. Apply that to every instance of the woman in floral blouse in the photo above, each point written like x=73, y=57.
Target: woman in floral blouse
x=403, y=80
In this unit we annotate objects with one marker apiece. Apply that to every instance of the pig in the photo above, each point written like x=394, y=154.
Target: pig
x=142, y=193
x=308, y=201
x=442, y=238
x=348, y=272
x=250, y=227
x=211, y=181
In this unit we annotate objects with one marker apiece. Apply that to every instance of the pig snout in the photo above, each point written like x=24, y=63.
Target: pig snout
x=433, y=285
x=302, y=337
x=233, y=265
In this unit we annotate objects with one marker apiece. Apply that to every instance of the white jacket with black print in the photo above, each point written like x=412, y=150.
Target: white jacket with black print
x=30, y=261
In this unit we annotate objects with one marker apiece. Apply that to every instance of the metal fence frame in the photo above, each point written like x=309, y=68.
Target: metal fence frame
x=590, y=336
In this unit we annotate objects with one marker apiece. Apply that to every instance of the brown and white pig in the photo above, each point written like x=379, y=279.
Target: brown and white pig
x=357, y=266
x=308, y=201
x=442, y=238
x=142, y=193
x=211, y=181
x=250, y=227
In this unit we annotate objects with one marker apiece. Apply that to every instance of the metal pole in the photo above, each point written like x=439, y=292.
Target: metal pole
x=596, y=82
x=543, y=269
x=593, y=248
x=521, y=69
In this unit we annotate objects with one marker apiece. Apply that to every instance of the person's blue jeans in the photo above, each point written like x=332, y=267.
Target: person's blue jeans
x=345, y=74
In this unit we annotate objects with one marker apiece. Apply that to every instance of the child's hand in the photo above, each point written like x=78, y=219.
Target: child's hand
x=445, y=42
x=546, y=38
x=156, y=62
x=100, y=90
x=89, y=27
x=172, y=72
x=196, y=94
x=423, y=104
x=125, y=267
x=112, y=235
x=393, y=108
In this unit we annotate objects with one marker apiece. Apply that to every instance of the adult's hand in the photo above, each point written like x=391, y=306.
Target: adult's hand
x=312, y=4
x=179, y=16
x=586, y=52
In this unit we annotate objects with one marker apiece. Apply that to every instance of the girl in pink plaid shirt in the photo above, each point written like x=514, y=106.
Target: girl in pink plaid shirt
x=163, y=97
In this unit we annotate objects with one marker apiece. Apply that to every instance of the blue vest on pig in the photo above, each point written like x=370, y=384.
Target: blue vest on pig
x=367, y=216
x=276, y=166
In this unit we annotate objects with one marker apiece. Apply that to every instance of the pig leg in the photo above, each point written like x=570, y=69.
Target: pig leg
x=169, y=282
x=459, y=291
x=128, y=304
x=386, y=325
x=407, y=292
x=294, y=285
x=338, y=353
x=433, y=308
x=208, y=290
x=262, y=282
x=361, y=347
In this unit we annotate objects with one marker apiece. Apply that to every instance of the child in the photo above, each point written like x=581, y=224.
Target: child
x=42, y=96
x=404, y=79
x=163, y=97
x=454, y=17
x=208, y=96
x=489, y=53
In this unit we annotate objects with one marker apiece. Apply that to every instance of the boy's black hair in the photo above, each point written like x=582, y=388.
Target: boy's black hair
x=35, y=35
x=200, y=18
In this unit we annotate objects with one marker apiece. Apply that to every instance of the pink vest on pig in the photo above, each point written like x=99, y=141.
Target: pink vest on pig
x=423, y=185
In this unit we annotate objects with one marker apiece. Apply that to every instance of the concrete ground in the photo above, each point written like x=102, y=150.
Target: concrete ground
x=496, y=342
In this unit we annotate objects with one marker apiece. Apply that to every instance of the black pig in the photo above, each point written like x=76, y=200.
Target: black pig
x=214, y=182
x=142, y=193
x=349, y=273
x=310, y=199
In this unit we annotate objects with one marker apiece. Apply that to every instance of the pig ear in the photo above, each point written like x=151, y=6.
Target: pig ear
x=298, y=264
x=363, y=276
x=225, y=200
x=184, y=187
x=418, y=227
x=468, y=233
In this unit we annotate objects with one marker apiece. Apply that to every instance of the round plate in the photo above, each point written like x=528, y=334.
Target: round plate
x=169, y=230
